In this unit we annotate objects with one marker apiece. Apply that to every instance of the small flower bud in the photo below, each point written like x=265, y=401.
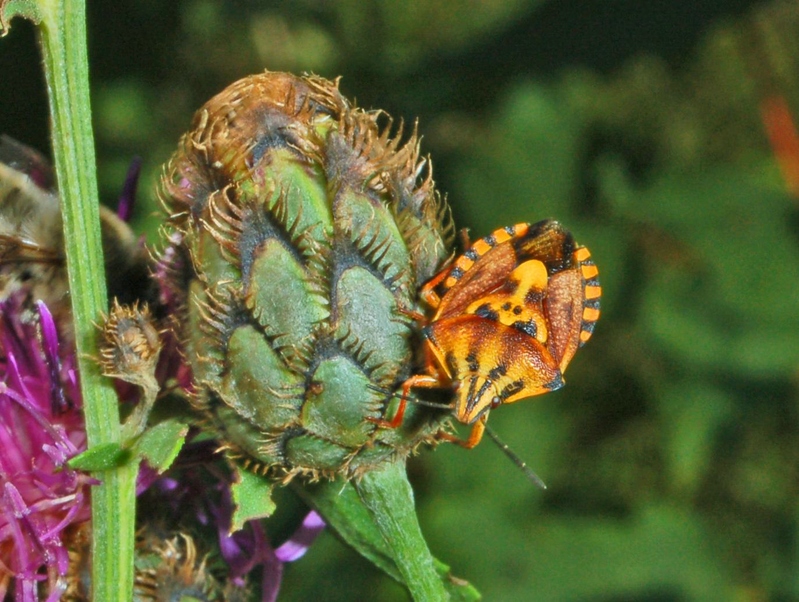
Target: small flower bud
x=129, y=351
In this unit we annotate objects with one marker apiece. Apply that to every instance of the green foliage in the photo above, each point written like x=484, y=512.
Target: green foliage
x=17, y=8
x=376, y=517
x=252, y=497
x=106, y=456
x=161, y=444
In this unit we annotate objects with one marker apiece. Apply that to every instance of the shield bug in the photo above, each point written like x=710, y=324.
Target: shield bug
x=508, y=316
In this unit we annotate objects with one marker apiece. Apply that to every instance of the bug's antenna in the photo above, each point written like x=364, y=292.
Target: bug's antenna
x=430, y=404
x=515, y=459
x=415, y=400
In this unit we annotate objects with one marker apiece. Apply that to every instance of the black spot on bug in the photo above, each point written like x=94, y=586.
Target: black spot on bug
x=533, y=297
x=471, y=254
x=486, y=311
x=511, y=286
x=497, y=371
x=528, y=327
x=471, y=361
x=511, y=230
x=456, y=273
x=517, y=310
x=506, y=306
x=490, y=240
x=592, y=303
x=511, y=389
x=555, y=383
x=452, y=363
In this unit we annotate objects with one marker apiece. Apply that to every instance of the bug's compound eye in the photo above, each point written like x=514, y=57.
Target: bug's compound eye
x=495, y=401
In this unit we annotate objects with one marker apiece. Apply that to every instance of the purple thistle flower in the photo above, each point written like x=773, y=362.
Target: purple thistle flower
x=246, y=549
x=41, y=428
x=127, y=198
x=201, y=499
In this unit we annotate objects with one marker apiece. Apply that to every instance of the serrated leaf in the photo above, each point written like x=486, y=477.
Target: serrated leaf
x=252, y=495
x=101, y=457
x=9, y=9
x=160, y=444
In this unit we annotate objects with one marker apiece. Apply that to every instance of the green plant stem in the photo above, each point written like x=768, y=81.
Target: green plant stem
x=389, y=497
x=63, y=40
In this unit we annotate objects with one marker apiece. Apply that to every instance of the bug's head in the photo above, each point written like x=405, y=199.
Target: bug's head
x=477, y=393
x=474, y=395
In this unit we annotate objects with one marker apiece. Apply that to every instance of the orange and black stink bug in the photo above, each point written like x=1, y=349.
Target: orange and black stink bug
x=509, y=315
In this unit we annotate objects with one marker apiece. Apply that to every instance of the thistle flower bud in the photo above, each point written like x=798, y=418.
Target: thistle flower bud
x=130, y=346
x=299, y=232
x=129, y=350
x=172, y=570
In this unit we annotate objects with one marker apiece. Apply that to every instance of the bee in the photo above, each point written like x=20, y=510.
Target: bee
x=508, y=316
x=32, y=258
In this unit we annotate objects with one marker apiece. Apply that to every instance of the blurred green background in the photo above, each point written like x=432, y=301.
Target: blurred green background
x=672, y=457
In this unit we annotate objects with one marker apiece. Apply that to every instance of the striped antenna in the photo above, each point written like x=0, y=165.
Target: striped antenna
x=515, y=459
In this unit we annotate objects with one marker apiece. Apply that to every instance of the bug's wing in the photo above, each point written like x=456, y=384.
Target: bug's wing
x=564, y=309
x=487, y=274
x=572, y=307
x=30, y=218
x=15, y=251
x=549, y=243
x=28, y=266
x=31, y=239
x=27, y=161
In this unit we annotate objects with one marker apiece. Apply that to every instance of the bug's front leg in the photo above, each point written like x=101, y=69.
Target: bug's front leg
x=428, y=293
x=475, y=435
x=416, y=381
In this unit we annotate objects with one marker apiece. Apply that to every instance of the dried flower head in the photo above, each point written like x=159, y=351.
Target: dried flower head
x=130, y=345
x=171, y=569
x=129, y=351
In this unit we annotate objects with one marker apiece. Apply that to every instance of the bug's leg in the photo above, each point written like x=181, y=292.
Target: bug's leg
x=477, y=432
x=428, y=293
x=474, y=436
x=465, y=242
x=418, y=380
x=412, y=314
